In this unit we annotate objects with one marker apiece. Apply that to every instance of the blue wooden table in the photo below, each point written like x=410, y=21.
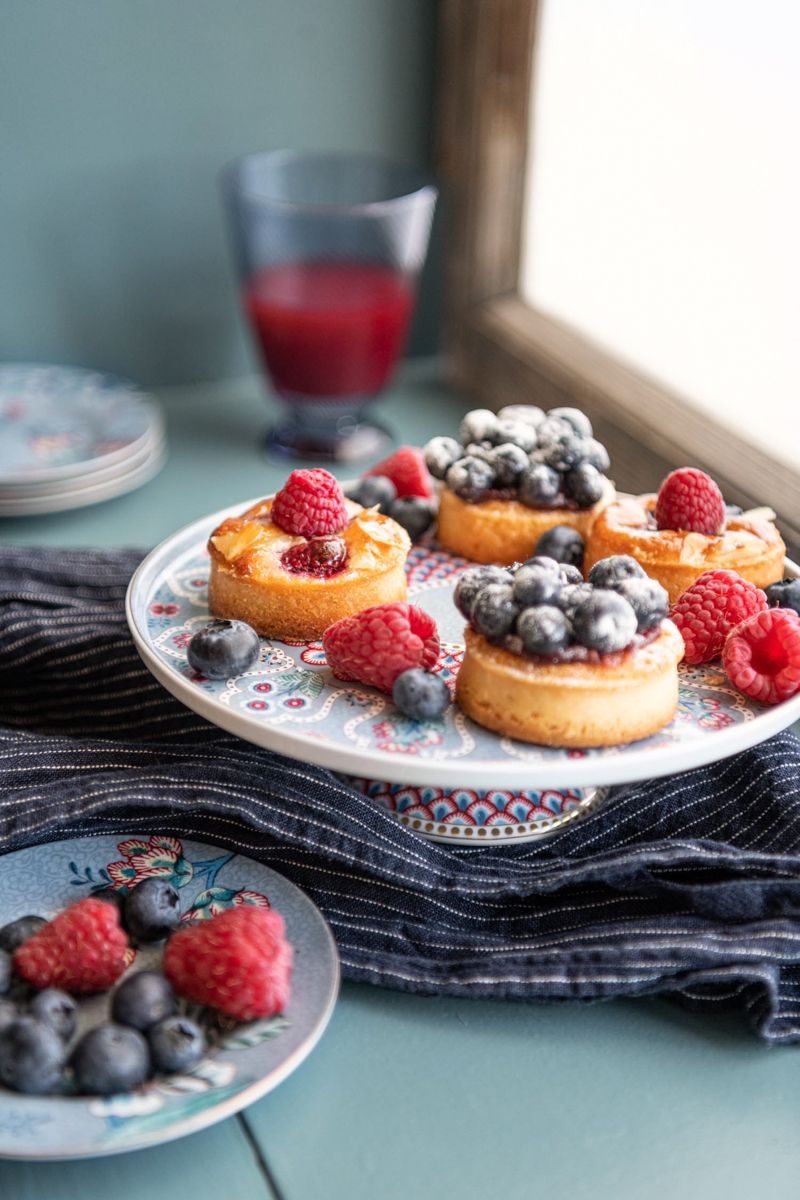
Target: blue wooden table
x=428, y=1099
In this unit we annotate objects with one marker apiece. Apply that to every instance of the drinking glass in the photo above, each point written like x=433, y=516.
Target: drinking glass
x=328, y=249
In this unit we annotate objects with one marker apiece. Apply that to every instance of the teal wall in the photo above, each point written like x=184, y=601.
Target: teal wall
x=115, y=117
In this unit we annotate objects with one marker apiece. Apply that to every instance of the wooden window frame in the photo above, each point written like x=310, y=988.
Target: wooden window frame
x=502, y=350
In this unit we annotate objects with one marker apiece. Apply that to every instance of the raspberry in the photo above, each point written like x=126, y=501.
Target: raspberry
x=238, y=962
x=709, y=609
x=310, y=503
x=761, y=656
x=376, y=645
x=321, y=557
x=407, y=471
x=689, y=499
x=83, y=949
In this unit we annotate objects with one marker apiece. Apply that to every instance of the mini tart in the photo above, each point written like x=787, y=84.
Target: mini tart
x=506, y=531
x=750, y=545
x=621, y=698
x=249, y=583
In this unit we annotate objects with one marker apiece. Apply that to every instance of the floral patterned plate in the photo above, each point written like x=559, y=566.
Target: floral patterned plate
x=243, y=1065
x=291, y=702
x=61, y=423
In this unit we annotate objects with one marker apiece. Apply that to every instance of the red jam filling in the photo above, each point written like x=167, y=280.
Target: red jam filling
x=320, y=557
x=582, y=654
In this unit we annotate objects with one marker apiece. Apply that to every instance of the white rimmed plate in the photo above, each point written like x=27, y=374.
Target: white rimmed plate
x=79, y=493
x=63, y=423
x=290, y=702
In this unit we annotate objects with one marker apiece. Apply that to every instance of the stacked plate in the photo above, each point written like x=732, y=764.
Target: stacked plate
x=70, y=437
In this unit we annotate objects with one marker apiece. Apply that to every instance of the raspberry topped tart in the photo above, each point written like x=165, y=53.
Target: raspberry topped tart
x=294, y=563
x=514, y=475
x=561, y=662
x=686, y=530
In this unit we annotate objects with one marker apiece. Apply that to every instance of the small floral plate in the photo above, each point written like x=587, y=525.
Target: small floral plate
x=61, y=424
x=243, y=1064
x=291, y=702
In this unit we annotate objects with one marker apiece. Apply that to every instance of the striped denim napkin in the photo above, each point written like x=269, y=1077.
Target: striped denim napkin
x=687, y=886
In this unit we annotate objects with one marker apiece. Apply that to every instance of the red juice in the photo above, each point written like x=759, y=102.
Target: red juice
x=329, y=328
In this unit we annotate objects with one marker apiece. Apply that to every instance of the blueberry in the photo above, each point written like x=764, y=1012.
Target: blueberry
x=8, y=1013
x=440, y=454
x=648, y=599
x=223, y=649
x=420, y=694
x=373, y=491
x=414, y=513
x=539, y=486
x=543, y=562
x=518, y=433
x=471, y=582
x=531, y=414
x=494, y=610
x=110, y=1058
x=5, y=971
x=785, y=594
x=584, y=484
x=604, y=622
x=569, y=574
x=143, y=999
x=508, y=462
x=56, y=1009
x=563, y=543
x=152, y=910
x=554, y=429
x=31, y=1056
x=470, y=478
x=543, y=630
x=596, y=455
x=572, y=595
x=574, y=417
x=176, y=1044
x=16, y=932
x=607, y=572
x=478, y=426
x=534, y=584
x=564, y=452
x=481, y=450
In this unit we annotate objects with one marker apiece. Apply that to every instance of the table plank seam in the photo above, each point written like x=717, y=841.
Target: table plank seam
x=258, y=1154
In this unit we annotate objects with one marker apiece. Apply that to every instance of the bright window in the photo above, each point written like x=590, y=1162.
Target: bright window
x=664, y=197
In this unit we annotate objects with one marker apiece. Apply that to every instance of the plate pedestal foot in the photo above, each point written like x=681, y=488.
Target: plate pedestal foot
x=481, y=817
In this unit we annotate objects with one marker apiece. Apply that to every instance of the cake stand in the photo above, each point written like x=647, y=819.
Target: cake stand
x=449, y=779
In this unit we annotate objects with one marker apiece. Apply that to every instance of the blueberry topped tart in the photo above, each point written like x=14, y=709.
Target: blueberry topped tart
x=512, y=476
x=553, y=659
